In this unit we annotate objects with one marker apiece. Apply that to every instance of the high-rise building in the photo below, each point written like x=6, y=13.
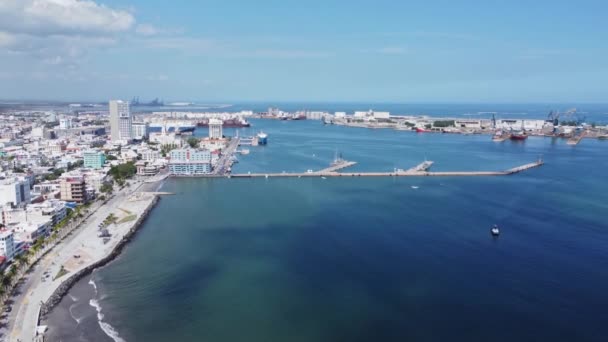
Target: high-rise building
x=215, y=128
x=120, y=121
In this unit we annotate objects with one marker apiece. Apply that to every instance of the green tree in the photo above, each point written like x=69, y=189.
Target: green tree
x=107, y=188
x=123, y=171
x=193, y=142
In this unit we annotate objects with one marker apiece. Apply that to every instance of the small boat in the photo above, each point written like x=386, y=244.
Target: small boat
x=495, y=231
x=603, y=137
x=421, y=130
x=415, y=187
x=323, y=178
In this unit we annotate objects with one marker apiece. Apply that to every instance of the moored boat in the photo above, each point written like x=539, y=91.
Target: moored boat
x=520, y=135
x=262, y=138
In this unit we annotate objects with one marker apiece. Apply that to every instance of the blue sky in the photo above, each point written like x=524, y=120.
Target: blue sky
x=393, y=51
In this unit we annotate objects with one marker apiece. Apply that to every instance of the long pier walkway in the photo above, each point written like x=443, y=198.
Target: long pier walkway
x=399, y=173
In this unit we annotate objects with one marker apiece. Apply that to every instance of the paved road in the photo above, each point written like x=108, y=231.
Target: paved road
x=37, y=287
x=223, y=164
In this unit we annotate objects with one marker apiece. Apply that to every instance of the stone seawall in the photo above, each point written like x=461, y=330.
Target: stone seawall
x=66, y=285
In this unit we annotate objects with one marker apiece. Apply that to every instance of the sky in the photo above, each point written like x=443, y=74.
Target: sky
x=316, y=50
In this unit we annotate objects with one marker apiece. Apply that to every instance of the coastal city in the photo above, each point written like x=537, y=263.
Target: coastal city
x=305, y=171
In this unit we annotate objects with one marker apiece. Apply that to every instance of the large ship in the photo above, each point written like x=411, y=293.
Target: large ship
x=519, y=135
x=262, y=138
x=177, y=127
x=237, y=122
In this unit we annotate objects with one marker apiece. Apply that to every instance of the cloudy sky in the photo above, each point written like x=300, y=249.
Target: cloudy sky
x=315, y=50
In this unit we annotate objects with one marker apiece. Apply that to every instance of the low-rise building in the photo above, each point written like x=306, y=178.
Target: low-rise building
x=145, y=169
x=94, y=159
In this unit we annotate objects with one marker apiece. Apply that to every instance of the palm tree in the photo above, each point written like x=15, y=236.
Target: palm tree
x=6, y=280
x=21, y=260
x=12, y=271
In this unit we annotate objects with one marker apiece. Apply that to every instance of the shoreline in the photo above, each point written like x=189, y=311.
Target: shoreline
x=64, y=288
x=79, y=255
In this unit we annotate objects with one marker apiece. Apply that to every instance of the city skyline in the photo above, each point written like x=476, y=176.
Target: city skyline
x=322, y=51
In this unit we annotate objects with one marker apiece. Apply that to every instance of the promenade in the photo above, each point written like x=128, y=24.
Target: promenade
x=79, y=251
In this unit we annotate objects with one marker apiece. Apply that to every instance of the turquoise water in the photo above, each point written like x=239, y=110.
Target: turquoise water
x=358, y=259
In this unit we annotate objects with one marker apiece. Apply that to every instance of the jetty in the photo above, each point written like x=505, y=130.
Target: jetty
x=418, y=171
x=338, y=166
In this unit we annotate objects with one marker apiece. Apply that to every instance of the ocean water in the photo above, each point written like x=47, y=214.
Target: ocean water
x=364, y=259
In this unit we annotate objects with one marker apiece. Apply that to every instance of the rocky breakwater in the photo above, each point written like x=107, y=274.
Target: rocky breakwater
x=67, y=284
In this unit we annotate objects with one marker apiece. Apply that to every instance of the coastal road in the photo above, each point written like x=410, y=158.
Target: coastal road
x=224, y=162
x=37, y=287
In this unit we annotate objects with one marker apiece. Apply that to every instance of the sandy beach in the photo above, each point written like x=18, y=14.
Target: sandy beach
x=78, y=253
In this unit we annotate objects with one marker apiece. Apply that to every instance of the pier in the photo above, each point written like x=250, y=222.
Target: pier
x=398, y=173
x=338, y=166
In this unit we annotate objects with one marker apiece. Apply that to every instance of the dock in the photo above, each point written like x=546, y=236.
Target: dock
x=397, y=173
x=337, y=166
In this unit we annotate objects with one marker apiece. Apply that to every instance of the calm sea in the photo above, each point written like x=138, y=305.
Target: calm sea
x=358, y=259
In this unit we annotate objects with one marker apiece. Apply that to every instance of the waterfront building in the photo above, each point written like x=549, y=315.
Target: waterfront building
x=190, y=161
x=73, y=188
x=144, y=169
x=140, y=130
x=121, y=121
x=32, y=230
x=215, y=129
x=14, y=191
x=53, y=210
x=7, y=244
x=94, y=159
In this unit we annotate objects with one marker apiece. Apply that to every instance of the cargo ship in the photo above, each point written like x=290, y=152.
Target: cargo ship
x=520, y=135
x=262, y=138
x=227, y=123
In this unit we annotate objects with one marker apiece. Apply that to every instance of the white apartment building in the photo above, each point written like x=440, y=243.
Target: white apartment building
x=14, y=191
x=65, y=123
x=7, y=244
x=121, y=121
x=140, y=130
x=215, y=129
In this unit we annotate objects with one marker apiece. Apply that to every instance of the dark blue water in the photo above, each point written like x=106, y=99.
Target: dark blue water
x=358, y=259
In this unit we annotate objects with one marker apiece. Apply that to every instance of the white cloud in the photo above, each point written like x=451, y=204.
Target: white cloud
x=146, y=30
x=6, y=39
x=48, y=17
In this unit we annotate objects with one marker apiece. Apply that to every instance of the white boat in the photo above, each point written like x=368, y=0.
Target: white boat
x=495, y=231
